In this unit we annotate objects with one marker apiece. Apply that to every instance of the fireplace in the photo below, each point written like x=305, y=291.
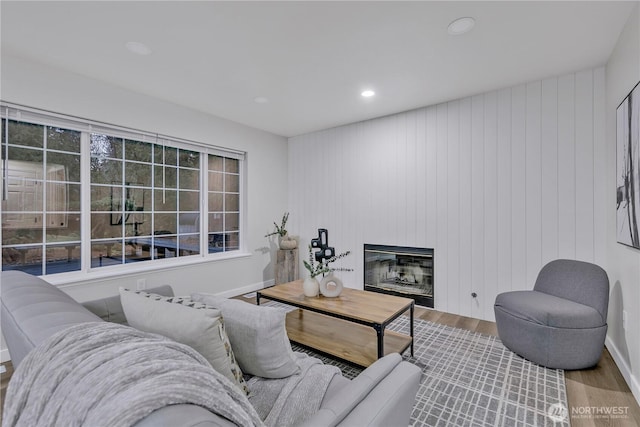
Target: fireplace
x=401, y=271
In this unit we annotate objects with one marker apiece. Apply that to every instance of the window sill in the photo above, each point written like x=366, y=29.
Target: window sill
x=77, y=278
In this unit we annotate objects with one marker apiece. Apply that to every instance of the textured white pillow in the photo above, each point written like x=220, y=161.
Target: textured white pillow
x=188, y=322
x=258, y=336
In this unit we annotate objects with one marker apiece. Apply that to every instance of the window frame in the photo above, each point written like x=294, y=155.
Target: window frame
x=87, y=127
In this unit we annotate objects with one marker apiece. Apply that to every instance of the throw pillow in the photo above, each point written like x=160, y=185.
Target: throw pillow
x=258, y=336
x=188, y=322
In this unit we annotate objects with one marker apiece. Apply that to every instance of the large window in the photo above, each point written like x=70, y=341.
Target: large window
x=145, y=198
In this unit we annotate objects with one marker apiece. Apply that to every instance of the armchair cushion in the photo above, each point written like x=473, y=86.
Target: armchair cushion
x=579, y=281
x=549, y=310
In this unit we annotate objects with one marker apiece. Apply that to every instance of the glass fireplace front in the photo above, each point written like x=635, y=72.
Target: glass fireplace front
x=401, y=271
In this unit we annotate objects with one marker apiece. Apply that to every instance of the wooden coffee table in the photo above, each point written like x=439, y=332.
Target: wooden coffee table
x=351, y=327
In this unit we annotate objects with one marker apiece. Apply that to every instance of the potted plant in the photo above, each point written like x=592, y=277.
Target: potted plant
x=311, y=286
x=284, y=240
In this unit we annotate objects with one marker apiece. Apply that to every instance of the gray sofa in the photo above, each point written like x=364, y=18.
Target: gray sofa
x=562, y=322
x=32, y=310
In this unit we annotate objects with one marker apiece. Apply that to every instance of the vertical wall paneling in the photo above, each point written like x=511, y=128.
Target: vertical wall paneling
x=456, y=300
x=431, y=218
x=518, y=189
x=355, y=206
x=566, y=168
x=498, y=184
x=490, y=206
x=339, y=184
x=584, y=165
x=466, y=213
x=368, y=165
x=442, y=215
x=360, y=209
x=599, y=167
x=533, y=182
x=477, y=200
x=411, y=172
x=397, y=211
x=421, y=177
x=504, y=190
x=393, y=210
x=549, y=169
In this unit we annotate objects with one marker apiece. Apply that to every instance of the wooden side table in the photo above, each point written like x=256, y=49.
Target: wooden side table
x=286, y=266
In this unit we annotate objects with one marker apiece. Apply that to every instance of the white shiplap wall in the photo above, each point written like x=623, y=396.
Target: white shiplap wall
x=498, y=184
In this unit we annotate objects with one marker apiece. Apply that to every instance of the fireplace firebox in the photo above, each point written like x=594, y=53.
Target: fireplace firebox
x=401, y=271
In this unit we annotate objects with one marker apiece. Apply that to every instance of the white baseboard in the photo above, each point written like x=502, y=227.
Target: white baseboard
x=4, y=355
x=246, y=289
x=625, y=370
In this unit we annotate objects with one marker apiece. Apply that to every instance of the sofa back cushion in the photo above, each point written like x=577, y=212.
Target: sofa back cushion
x=258, y=336
x=188, y=322
x=110, y=309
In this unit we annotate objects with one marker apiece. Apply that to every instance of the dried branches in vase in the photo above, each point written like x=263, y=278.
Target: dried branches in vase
x=285, y=241
x=280, y=229
x=316, y=268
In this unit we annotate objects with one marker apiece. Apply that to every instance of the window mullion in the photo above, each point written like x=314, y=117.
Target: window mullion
x=224, y=207
x=204, y=205
x=85, y=202
x=154, y=147
x=43, y=193
x=242, y=226
x=123, y=204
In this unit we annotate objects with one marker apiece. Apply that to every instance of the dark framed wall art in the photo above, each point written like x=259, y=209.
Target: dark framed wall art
x=628, y=169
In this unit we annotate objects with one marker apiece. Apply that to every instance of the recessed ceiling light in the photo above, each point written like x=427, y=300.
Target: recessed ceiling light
x=138, y=48
x=368, y=93
x=461, y=26
x=260, y=100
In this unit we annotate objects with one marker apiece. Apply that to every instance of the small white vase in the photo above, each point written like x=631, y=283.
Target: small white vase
x=310, y=287
x=331, y=286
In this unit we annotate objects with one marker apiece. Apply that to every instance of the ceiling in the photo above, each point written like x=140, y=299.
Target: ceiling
x=311, y=60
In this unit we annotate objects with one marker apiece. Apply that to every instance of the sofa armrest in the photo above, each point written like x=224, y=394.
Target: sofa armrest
x=383, y=395
x=183, y=415
x=390, y=403
x=33, y=310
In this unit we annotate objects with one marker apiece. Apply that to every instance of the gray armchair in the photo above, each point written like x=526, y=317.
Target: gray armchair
x=562, y=323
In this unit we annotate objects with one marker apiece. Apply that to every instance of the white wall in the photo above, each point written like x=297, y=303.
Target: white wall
x=498, y=184
x=35, y=85
x=623, y=72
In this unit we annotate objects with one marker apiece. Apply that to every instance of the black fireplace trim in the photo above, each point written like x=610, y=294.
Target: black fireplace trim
x=422, y=300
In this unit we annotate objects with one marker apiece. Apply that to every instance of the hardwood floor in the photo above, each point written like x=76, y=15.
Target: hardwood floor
x=4, y=382
x=587, y=390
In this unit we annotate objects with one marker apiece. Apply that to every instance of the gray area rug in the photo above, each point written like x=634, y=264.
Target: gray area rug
x=472, y=379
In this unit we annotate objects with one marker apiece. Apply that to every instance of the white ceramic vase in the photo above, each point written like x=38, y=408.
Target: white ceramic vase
x=331, y=286
x=310, y=287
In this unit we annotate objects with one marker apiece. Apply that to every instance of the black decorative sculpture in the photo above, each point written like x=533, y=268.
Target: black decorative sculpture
x=322, y=243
